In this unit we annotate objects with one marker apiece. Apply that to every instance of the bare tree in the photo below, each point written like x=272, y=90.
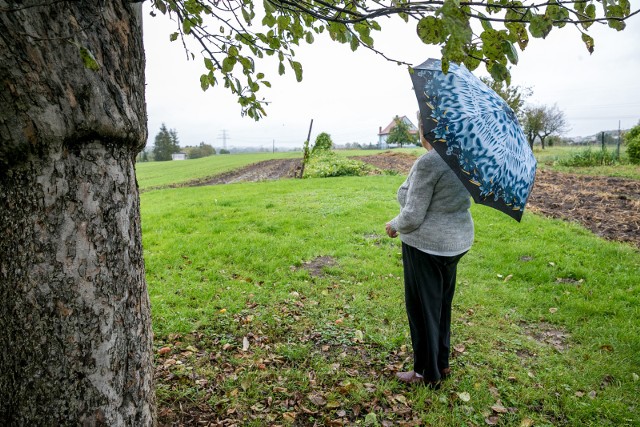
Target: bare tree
x=541, y=122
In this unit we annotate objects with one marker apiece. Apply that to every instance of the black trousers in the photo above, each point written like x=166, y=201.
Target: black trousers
x=429, y=285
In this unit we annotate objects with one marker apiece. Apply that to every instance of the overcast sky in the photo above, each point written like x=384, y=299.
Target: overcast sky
x=351, y=94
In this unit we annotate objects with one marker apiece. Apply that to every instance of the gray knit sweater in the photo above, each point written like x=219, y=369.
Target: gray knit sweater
x=434, y=215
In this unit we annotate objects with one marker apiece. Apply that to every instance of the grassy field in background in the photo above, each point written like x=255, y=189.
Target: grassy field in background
x=544, y=325
x=549, y=157
x=161, y=174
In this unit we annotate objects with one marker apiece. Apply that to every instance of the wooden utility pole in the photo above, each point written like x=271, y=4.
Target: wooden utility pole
x=305, y=151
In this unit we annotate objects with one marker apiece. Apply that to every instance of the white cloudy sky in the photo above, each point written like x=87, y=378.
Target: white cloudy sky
x=350, y=95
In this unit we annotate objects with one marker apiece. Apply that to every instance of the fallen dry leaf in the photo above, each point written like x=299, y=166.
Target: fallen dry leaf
x=164, y=350
x=492, y=420
x=400, y=399
x=289, y=417
x=317, y=399
x=498, y=408
x=459, y=348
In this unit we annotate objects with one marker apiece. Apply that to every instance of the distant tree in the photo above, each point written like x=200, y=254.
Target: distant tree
x=323, y=143
x=202, y=150
x=554, y=140
x=400, y=133
x=224, y=151
x=166, y=143
x=515, y=96
x=541, y=122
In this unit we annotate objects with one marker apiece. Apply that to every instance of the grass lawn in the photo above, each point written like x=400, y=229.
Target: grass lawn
x=281, y=303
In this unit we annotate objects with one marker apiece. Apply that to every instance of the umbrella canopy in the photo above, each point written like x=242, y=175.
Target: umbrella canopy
x=477, y=134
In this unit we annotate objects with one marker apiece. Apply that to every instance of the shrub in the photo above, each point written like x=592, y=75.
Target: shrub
x=633, y=150
x=323, y=144
x=328, y=164
x=590, y=157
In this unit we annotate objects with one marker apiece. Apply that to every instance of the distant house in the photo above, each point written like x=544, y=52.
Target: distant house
x=383, y=134
x=179, y=156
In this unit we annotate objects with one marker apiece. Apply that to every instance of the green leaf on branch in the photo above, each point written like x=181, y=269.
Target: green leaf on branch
x=281, y=69
x=558, y=15
x=540, y=26
x=499, y=72
x=588, y=41
x=518, y=33
x=186, y=25
x=486, y=24
x=228, y=63
x=204, y=82
x=283, y=22
x=269, y=20
x=590, y=13
x=248, y=15
x=354, y=43
x=268, y=7
x=510, y=51
x=473, y=59
x=297, y=69
x=493, y=44
x=431, y=30
x=208, y=63
x=173, y=37
x=159, y=4
x=309, y=37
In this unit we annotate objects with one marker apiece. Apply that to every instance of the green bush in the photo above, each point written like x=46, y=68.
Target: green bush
x=328, y=164
x=323, y=144
x=590, y=157
x=633, y=150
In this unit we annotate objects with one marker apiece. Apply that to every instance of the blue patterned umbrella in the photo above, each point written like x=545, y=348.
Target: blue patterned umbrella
x=477, y=134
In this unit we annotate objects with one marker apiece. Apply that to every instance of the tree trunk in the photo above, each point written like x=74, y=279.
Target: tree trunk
x=75, y=330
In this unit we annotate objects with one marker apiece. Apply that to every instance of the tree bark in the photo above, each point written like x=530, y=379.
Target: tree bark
x=75, y=329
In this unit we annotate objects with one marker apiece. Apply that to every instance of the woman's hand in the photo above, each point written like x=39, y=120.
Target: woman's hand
x=390, y=231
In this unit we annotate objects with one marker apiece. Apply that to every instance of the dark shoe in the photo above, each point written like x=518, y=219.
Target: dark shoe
x=445, y=373
x=409, y=377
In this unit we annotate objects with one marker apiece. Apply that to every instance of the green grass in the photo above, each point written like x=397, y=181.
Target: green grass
x=545, y=315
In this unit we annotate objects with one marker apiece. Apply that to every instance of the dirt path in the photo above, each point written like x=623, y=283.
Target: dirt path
x=267, y=170
x=609, y=207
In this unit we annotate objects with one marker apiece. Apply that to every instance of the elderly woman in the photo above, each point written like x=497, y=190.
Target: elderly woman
x=436, y=230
